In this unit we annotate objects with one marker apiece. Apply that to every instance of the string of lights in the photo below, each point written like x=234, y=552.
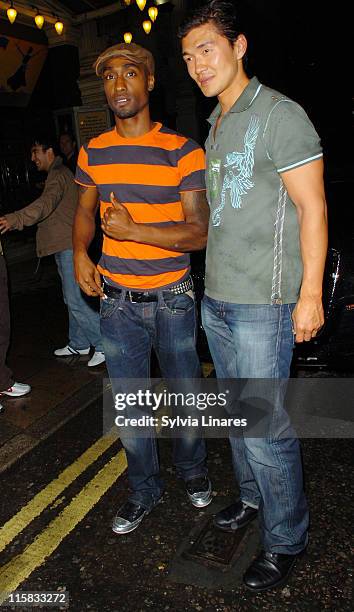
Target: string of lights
x=38, y=17
x=13, y=8
x=147, y=23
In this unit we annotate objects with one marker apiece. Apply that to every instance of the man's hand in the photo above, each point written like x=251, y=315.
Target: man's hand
x=308, y=318
x=4, y=225
x=117, y=222
x=87, y=275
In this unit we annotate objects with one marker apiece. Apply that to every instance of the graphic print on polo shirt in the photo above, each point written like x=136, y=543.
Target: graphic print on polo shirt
x=239, y=172
x=214, y=178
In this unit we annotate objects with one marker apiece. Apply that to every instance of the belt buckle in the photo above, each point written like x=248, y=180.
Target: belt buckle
x=130, y=296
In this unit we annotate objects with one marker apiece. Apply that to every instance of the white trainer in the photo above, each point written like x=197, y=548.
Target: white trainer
x=69, y=351
x=97, y=358
x=16, y=390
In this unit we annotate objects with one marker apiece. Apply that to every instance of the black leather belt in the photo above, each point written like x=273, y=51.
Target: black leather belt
x=148, y=296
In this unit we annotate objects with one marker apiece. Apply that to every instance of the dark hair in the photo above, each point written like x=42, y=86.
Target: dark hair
x=70, y=134
x=46, y=141
x=221, y=13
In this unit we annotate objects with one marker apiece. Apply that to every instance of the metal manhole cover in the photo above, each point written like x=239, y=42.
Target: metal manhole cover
x=215, y=547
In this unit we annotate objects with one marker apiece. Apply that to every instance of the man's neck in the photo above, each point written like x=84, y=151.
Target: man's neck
x=50, y=164
x=230, y=96
x=134, y=127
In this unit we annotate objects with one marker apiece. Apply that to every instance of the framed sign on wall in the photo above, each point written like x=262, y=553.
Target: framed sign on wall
x=83, y=122
x=91, y=123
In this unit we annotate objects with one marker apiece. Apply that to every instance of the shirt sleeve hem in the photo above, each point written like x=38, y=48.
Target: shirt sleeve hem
x=84, y=184
x=300, y=163
x=193, y=189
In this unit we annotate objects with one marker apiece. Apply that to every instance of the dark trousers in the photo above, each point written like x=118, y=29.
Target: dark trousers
x=5, y=373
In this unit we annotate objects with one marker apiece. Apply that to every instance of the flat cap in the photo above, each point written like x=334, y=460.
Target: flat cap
x=133, y=52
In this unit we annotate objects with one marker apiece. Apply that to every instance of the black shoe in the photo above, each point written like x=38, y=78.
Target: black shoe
x=128, y=517
x=235, y=516
x=269, y=570
x=199, y=491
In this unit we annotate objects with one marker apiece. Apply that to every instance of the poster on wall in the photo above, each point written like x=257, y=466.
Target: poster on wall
x=20, y=65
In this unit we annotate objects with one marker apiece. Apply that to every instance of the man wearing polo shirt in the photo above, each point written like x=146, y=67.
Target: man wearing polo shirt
x=150, y=182
x=264, y=266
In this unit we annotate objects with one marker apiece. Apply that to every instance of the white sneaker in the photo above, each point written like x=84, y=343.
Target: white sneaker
x=97, y=358
x=69, y=351
x=17, y=390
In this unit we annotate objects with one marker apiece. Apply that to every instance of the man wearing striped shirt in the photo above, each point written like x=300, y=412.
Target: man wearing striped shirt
x=151, y=186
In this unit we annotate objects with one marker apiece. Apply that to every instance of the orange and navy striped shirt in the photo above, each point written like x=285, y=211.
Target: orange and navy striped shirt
x=148, y=175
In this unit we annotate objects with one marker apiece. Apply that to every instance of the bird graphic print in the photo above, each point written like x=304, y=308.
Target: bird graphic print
x=239, y=171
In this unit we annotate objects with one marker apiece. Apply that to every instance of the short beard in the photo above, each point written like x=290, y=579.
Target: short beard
x=125, y=114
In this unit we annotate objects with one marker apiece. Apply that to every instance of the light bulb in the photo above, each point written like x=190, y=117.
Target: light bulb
x=128, y=37
x=147, y=26
x=59, y=26
x=141, y=4
x=11, y=14
x=153, y=11
x=39, y=21
x=127, y=2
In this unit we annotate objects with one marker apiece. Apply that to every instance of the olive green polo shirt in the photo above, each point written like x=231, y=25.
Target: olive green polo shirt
x=253, y=252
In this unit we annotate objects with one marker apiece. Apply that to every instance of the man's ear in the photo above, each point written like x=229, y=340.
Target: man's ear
x=151, y=82
x=240, y=46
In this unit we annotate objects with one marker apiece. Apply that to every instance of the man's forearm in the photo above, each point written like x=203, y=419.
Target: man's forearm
x=185, y=237
x=190, y=235
x=30, y=215
x=313, y=243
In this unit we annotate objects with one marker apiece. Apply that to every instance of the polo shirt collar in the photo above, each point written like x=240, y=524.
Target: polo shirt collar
x=245, y=100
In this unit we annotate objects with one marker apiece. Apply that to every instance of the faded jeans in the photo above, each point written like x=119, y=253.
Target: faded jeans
x=84, y=321
x=255, y=341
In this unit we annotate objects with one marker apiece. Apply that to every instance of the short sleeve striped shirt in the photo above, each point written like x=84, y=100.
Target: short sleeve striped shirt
x=148, y=175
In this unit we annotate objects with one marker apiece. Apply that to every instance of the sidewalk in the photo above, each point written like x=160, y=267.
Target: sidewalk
x=60, y=387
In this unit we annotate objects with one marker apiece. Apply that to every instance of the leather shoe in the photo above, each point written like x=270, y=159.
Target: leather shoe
x=234, y=517
x=269, y=570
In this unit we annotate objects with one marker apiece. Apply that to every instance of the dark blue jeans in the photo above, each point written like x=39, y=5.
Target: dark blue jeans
x=129, y=331
x=256, y=341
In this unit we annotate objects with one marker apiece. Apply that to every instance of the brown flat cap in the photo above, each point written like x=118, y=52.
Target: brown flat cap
x=133, y=52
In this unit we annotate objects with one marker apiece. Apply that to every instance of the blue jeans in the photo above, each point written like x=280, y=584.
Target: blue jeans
x=129, y=331
x=256, y=341
x=84, y=321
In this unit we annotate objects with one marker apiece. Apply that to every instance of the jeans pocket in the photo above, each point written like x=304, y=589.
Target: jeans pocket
x=107, y=307
x=180, y=305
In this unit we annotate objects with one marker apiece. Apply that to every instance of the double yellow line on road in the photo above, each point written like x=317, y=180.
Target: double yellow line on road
x=20, y=567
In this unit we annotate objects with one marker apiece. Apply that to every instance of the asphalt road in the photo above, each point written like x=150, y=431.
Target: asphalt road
x=58, y=502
